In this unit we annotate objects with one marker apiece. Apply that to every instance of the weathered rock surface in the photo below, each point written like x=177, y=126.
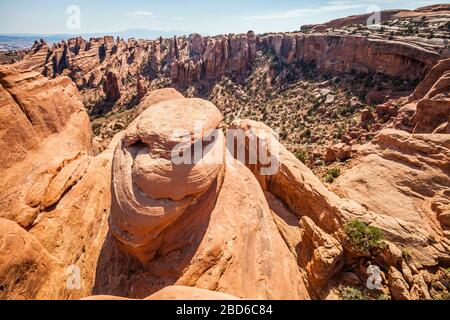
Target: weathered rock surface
x=405, y=177
x=177, y=293
x=433, y=101
x=206, y=225
x=322, y=255
x=398, y=286
x=54, y=194
x=400, y=180
x=338, y=152
x=217, y=228
x=157, y=96
x=383, y=16
x=112, y=85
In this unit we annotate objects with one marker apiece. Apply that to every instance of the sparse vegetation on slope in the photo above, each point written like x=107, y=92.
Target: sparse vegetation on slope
x=364, y=238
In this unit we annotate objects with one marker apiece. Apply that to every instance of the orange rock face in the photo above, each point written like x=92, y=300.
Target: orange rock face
x=157, y=96
x=385, y=15
x=112, y=73
x=433, y=106
x=397, y=165
x=206, y=225
x=54, y=193
x=177, y=293
x=376, y=191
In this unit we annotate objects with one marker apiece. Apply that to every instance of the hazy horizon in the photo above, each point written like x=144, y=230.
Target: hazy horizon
x=47, y=17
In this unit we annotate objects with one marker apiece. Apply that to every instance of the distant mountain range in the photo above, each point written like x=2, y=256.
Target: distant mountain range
x=20, y=41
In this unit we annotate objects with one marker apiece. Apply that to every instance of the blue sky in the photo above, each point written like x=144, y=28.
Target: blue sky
x=203, y=16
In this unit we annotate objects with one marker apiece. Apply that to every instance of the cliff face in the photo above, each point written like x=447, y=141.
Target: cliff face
x=344, y=53
x=384, y=16
x=117, y=66
x=54, y=194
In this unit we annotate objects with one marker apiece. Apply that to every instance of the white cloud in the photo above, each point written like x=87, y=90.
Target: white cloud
x=140, y=14
x=177, y=19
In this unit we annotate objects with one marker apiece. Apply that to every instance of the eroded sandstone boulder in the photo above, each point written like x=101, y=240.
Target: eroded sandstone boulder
x=206, y=225
x=112, y=85
x=157, y=96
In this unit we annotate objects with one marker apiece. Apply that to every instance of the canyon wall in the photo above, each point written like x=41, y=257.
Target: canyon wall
x=116, y=65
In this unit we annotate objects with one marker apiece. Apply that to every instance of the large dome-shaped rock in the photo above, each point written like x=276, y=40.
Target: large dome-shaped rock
x=157, y=96
x=149, y=191
x=214, y=230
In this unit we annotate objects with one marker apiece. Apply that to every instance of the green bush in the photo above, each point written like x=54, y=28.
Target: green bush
x=332, y=174
x=363, y=237
x=301, y=155
x=335, y=172
x=349, y=293
x=307, y=133
x=384, y=296
x=442, y=296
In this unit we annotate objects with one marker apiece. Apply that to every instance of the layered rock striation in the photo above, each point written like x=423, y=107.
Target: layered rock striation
x=205, y=224
x=54, y=194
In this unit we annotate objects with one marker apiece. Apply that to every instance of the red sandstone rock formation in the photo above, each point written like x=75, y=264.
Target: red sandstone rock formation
x=177, y=293
x=392, y=182
x=338, y=53
x=216, y=225
x=141, y=88
x=118, y=65
x=433, y=106
x=157, y=96
x=182, y=221
x=112, y=85
x=385, y=15
x=54, y=195
x=178, y=224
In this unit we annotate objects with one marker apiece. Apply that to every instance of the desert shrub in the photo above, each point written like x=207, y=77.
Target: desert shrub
x=384, y=296
x=363, y=237
x=96, y=126
x=332, y=174
x=283, y=134
x=347, y=110
x=307, y=133
x=301, y=155
x=350, y=293
x=443, y=296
